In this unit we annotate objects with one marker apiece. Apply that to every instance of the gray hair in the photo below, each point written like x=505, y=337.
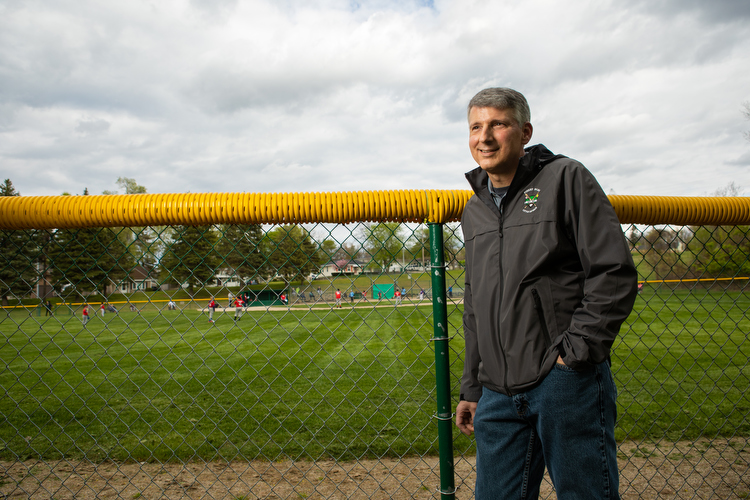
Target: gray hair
x=503, y=98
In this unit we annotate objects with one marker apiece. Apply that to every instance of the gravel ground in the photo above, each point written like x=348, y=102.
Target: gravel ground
x=702, y=469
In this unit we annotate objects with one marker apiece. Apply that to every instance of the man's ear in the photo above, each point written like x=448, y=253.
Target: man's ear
x=527, y=131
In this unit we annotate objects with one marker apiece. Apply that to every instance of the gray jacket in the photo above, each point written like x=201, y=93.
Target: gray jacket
x=548, y=274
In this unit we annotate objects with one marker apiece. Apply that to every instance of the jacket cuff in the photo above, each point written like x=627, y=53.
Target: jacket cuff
x=471, y=397
x=566, y=350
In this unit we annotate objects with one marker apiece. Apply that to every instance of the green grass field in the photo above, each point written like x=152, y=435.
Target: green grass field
x=682, y=365
x=311, y=383
x=343, y=383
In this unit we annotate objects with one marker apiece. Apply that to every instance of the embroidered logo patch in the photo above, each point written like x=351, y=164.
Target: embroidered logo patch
x=530, y=201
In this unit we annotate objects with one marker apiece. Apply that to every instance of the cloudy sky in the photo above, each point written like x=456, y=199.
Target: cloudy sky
x=341, y=95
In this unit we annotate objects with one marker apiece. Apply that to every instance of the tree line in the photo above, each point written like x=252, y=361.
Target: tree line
x=693, y=252
x=95, y=260
x=81, y=261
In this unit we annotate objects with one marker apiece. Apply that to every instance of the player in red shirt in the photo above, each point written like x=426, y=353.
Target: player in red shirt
x=338, y=298
x=85, y=314
x=238, y=303
x=211, y=309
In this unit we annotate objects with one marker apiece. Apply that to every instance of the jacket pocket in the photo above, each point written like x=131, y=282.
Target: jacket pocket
x=540, y=313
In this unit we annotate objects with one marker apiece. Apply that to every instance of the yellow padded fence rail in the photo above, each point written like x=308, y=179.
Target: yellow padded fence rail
x=48, y=212
x=682, y=210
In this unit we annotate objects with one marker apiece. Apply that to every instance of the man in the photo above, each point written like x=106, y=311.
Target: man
x=338, y=298
x=549, y=281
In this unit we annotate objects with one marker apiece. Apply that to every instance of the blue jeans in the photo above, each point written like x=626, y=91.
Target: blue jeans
x=566, y=423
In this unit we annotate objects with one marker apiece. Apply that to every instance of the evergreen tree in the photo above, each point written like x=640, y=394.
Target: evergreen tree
x=240, y=249
x=191, y=256
x=7, y=189
x=292, y=253
x=143, y=245
x=88, y=259
x=18, y=253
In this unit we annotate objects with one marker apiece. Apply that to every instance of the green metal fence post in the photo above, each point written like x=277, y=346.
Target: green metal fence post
x=442, y=362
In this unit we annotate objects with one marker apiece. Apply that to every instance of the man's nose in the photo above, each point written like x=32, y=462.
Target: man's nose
x=485, y=135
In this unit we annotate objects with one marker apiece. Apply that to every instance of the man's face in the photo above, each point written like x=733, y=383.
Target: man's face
x=496, y=141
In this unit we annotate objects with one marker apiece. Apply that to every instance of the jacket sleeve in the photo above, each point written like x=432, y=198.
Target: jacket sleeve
x=610, y=278
x=471, y=389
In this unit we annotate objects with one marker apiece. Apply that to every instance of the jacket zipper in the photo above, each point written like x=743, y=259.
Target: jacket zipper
x=540, y=313
x=500, y=265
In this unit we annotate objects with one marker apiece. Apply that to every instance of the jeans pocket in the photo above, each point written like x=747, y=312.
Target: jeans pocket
x=564, y=368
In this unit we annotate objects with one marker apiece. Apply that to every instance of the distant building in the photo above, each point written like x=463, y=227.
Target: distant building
x=43, y=288
x=412, y=267
x=139, y=279
x=227, y=277
x=341, y=268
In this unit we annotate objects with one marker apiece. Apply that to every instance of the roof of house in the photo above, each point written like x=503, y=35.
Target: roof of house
x=140, y=273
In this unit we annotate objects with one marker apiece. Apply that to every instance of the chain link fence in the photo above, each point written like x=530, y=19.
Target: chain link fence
x=300, y=361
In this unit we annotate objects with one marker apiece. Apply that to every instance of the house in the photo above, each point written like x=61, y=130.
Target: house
x=341, y=268
x=227, y=277
x=411, y=267
x=139, y=279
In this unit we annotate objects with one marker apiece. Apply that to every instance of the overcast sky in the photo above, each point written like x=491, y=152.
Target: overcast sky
x=343, y=95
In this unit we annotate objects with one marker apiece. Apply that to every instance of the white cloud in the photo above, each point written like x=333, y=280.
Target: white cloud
x=90, y=126
x=335, y=95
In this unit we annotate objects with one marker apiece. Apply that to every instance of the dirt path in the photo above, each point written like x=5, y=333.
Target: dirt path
x=702, y=469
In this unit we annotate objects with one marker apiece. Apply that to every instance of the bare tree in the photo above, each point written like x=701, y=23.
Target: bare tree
x=730, y=189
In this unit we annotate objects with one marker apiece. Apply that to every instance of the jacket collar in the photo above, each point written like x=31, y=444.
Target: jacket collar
x=529, y=165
